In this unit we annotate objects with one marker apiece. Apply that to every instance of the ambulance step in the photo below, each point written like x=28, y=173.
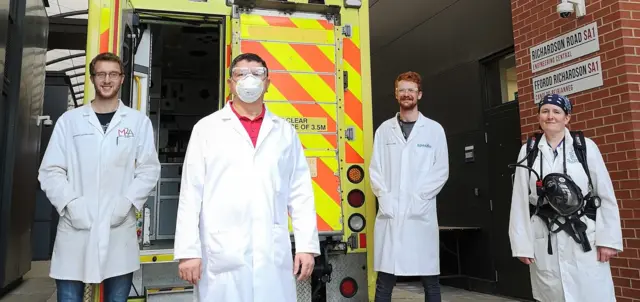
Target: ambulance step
x=169, y=293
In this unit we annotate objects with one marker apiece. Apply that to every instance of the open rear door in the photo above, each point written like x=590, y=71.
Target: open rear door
x=141, y=72
x=301, y=50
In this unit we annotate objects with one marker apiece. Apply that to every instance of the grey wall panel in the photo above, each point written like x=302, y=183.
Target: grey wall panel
x=24, y=141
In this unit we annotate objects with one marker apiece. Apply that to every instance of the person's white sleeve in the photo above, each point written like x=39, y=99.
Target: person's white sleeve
x=520, y=230
x=52, y=173
x=301, y=204
x=187, y=237
x=608, y=228
x=376, y=170
x=147, y=169
x=439, y=172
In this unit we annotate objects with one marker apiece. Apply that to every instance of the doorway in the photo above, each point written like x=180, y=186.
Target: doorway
x=502, y=126
x=187, y=77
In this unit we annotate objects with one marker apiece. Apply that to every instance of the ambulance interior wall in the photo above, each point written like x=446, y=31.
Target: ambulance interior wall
x=185, y=75
x=444, y=42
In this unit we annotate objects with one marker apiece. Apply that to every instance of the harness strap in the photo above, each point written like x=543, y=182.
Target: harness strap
x=573, y=226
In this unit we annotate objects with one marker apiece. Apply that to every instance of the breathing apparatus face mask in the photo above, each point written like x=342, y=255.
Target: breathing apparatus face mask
x=558, y=189
x=562, y=194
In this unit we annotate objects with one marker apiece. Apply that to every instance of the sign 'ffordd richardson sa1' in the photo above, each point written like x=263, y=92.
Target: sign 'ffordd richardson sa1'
x=569, y=80
x=567, y=47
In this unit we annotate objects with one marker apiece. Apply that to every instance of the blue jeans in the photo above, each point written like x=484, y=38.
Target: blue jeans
x=116, y=289
x=386, y=282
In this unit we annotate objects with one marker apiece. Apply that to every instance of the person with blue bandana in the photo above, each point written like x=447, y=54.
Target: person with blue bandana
x=564, y=219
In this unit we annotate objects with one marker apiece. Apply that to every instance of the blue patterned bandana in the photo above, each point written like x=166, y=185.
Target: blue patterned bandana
x=557, y=100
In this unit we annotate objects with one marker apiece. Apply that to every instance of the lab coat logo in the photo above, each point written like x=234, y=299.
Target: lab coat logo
x=424, y=146
x=125, y=132
x=572, y=158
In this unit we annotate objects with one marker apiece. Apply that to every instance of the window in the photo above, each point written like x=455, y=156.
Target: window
x=508, y=78
x=500, y=79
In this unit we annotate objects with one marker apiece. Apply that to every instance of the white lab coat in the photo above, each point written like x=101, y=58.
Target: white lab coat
x=94, y=179
x=406, y=176
x=569, y=274
x=233, y=207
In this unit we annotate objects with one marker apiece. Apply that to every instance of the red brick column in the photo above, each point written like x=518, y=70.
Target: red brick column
x=609, y=114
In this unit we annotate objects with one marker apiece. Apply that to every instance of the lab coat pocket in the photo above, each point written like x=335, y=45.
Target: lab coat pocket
x=121, y=211
x=124, y=151
x=420, y=208
x=424, y=158
x=543, y=261
x=282, y=248
x=385, y=207
x=78, y=214
x=589, y=260
x=224, y=252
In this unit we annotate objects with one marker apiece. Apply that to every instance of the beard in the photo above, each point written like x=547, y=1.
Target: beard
x=112, y=94
x=407, y=103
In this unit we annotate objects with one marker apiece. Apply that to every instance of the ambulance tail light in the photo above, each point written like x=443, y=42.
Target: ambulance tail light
x=355, y=198
x=356, y=222
x=355, y=174
x=348, y=287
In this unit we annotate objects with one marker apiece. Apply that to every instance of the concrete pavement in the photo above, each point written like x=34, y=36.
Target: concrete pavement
x=38, y=287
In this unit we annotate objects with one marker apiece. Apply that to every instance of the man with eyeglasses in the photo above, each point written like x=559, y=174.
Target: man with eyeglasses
x=100, y=165
x=244, y=174
x=409, y=167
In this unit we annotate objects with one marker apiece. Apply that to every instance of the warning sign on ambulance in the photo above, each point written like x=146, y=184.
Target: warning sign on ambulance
x=569, y=80
x=567, y=47
x=308, y=124
x=313, y=166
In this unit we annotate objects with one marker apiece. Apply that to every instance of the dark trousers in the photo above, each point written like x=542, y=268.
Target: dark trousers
x=116, y=289
x=386, y=282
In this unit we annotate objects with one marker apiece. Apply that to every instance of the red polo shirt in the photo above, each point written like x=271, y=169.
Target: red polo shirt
x=252, y=126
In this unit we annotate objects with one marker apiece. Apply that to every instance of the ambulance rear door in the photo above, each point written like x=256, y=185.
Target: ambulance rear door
x=301, y=48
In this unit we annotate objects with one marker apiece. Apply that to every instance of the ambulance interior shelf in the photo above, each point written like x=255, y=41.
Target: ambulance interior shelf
x=184, y=89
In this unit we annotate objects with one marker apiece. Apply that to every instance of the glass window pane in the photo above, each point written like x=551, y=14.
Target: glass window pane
x=508, y=78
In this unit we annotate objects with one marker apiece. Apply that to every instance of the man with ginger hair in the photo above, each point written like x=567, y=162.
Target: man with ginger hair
x=409, y=167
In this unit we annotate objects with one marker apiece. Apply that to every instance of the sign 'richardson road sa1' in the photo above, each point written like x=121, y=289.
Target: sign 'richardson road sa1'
x=567, y=47
x=569, y=80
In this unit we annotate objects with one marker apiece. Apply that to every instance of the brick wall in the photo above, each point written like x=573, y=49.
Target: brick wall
x=609, y=114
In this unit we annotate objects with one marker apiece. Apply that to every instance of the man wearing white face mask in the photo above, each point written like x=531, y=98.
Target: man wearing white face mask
x=244, y=171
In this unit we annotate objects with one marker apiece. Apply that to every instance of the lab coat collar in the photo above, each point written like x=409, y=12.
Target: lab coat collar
x=420, y=123
x=547, y=151
x=268, y=123
x=89, y=114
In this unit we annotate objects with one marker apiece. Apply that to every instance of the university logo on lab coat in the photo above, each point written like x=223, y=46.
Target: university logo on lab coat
x=125, y=132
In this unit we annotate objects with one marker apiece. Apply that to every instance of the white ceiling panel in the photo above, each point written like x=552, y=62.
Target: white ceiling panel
x=65, y=6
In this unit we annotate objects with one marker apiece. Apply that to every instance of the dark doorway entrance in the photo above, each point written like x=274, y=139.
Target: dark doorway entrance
x=502, y=126
x=503, y=139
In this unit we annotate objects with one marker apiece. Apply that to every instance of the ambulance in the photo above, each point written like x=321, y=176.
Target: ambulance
x=177, y=55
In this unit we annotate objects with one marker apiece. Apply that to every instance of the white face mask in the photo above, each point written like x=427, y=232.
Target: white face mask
x=249, y=89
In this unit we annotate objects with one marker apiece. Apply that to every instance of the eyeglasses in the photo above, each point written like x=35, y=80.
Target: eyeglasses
x=407, y=90
x=241, y=72
x=102, y=75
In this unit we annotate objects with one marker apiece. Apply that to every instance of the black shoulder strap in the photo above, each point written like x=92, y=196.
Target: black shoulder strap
x=532, y=145
x=580, y=146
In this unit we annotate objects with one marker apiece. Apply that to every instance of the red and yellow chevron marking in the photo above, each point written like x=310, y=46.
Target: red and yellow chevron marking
x=110, y=28
x=301, y=57
x=105, y=16
x=353, y=97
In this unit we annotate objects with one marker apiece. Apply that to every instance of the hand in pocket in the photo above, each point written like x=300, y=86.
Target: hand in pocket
x=120, y=211
x=78, y=214
x=384, y=207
